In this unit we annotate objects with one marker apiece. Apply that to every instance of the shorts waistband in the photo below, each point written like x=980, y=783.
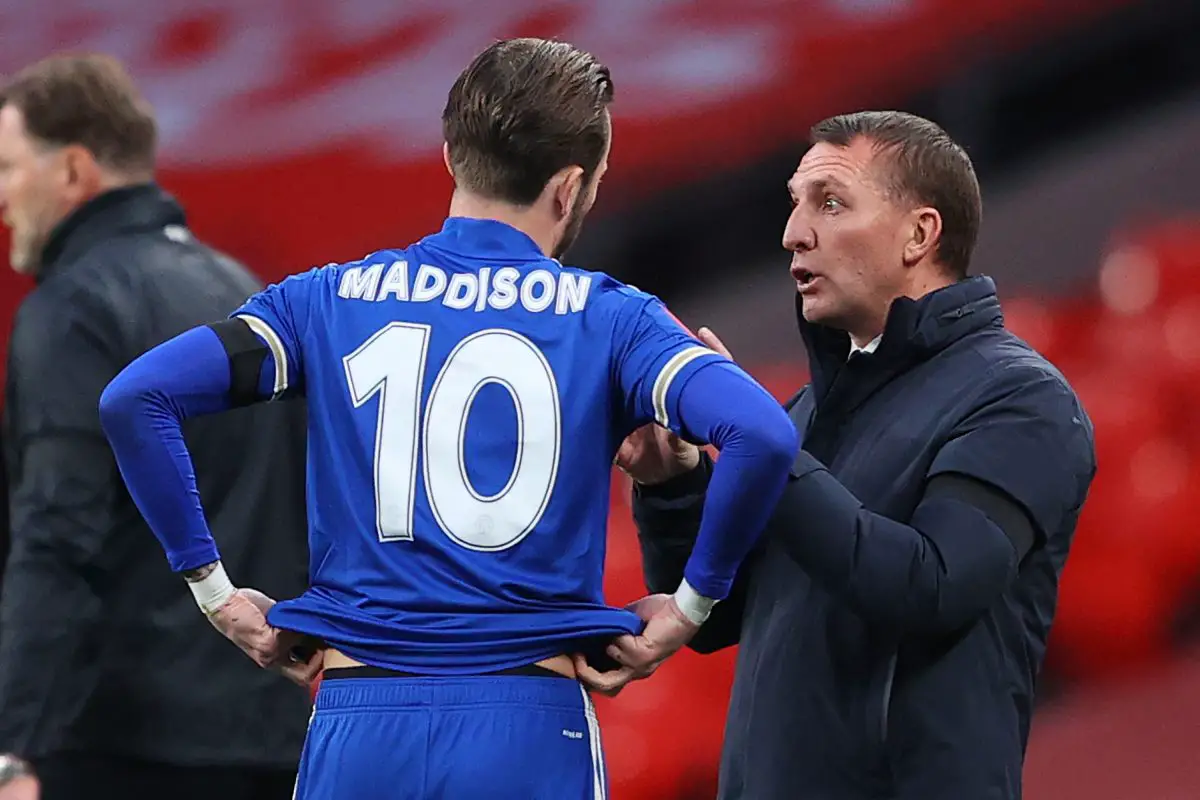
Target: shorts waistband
x=355, y=689
x=532, y=670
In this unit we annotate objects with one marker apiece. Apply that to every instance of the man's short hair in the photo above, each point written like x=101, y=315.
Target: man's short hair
x=925, y=167
x=523, y=110
x=87, y=100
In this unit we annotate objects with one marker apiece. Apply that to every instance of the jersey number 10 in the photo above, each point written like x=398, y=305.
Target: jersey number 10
x=391, y=364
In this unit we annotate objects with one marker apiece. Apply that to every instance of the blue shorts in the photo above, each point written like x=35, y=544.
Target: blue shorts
x=505, y=737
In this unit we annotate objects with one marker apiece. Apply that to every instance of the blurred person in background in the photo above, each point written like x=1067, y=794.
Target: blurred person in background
x=110, y=683
x=17, y=781
x=893, y=620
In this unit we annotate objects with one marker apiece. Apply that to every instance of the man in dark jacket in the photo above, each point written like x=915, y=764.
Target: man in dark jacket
x=894, y=618
x=110, y=682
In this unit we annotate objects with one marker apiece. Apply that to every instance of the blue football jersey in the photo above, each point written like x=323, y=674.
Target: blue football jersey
x=466, y=397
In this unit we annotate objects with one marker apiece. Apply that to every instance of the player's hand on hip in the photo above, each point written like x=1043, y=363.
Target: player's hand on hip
x=243, y=620
x=667, y=630
x=652, y=454
x=298, y=657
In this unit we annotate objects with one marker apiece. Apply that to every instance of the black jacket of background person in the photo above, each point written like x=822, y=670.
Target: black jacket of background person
x=891, y=633
x=102, y=648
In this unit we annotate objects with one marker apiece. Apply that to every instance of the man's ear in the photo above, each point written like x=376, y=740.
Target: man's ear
x=82, y=178
x=924, y=234
x=446, y=158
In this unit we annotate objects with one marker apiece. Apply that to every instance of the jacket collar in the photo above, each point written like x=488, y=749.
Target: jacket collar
x=915, y=330
x=128, y=209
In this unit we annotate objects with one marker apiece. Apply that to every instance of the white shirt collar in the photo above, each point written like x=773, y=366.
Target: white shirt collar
x=868, y=348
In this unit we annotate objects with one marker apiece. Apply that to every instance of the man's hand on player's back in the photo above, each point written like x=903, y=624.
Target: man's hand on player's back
x=652, y=454
x=243, y=620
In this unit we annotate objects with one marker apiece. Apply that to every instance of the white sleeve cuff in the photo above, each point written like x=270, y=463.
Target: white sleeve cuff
x=694, y=605
x=213, y=590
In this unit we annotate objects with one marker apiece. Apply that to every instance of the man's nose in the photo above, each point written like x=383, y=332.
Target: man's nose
x=798, y=235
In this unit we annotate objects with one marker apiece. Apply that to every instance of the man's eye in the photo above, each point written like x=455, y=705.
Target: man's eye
x=831, y=202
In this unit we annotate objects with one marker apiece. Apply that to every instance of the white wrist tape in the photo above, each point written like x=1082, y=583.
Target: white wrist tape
x=694, y=605
x=213, y=590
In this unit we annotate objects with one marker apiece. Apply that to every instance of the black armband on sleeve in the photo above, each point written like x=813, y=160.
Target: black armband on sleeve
x=1001, y=509
x=247, y=353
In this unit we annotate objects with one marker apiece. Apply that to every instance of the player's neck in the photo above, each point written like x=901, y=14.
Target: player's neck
x=526, y=220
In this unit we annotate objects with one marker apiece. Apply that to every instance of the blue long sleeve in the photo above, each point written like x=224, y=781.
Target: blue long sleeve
x=142, y=412
x=722, y=405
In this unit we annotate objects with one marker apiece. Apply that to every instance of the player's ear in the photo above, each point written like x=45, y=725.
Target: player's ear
x=446, y=158
x=567, y=185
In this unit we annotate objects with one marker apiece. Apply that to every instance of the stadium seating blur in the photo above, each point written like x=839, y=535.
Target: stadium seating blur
x=1133, y=353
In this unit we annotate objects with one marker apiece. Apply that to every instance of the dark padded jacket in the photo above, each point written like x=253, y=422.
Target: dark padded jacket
x=894, y=617
x=102, y=648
